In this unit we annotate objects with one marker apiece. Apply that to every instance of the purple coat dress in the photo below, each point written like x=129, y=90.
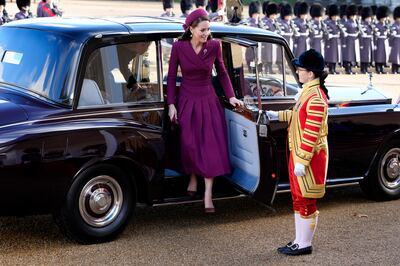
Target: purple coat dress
x=332, y=42
x=381, y=36
x=201, y=117
x=394, y=56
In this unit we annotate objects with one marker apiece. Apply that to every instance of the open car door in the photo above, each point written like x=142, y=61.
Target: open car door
x=252, y=151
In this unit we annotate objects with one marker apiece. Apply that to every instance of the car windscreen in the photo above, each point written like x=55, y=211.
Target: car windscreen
x=37, y=61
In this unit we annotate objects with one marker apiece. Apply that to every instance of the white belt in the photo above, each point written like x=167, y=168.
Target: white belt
x=352, y=34
x=382, y=37
x=303, y=34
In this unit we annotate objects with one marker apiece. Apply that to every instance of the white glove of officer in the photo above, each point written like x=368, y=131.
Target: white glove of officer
x=299, y=169
x=272, y=115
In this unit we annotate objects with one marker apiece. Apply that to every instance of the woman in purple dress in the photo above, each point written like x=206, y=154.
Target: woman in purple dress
x=195, y=106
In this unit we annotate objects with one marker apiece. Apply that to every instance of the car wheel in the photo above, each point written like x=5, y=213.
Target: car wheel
x=98, y=205
x=383, y=183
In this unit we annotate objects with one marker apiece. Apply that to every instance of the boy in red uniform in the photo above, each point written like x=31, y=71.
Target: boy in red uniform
x=307, y=136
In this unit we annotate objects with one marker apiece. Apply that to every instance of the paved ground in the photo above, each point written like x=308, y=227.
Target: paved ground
x=351, y=231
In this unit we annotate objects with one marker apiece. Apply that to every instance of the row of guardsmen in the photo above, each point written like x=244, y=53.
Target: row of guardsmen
x=349, y=35
x=45, y=8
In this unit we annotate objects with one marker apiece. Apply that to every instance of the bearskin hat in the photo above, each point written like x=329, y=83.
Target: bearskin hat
x=396, y=12
x=168, y=4
x=296, y=8
x=2, y=2
x=303, y=9
x=22, y=3
x=254, y=8
x=351, y=10
x=366, y=12
x=382, y=12
x=374, y=8
x=264, y=7
x=186, y=5
x=316, y=10
x=342, y=10
x=272, y=8
x=199, y=3
x=333, y=10
x=359, y=10
x=286, y=10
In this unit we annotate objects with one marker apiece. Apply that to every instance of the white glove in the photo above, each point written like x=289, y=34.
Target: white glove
x=299, y=169
x=330, y=36
x=272, y=115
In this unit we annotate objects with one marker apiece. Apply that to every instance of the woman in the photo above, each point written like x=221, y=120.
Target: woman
x=308, y=147
x=200, y=115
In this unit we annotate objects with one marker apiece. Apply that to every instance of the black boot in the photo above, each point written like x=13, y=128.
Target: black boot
x=330, y=67
x=394, y=68
x=377, y=68
x=347, y=67
x=381, y=68
x=364, y=68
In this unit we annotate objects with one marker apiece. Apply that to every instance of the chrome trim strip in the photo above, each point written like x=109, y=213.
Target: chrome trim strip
x=194, y=201
x=82, y=115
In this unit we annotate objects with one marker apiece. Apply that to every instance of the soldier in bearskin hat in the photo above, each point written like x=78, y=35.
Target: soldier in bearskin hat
x=254, y=20
x=349, y=41
x=168, y=6
x=4, y=18
x=381, y=37
x=186, y=8
x=366, y=39
x=394, y=56
x=268, y=57
x=24, y=12
x=284, y=22
x=300, y=29
x=316, y=27
x=332, y=39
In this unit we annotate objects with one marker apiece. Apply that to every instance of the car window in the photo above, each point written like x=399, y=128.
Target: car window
x=166, y=48
x=271, y=61
x=122, y=73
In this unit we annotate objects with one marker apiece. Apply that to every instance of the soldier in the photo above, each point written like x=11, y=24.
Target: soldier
x=186, y=8
x=168, y=6
x=381, y=36
x=4, y=18
x=300, y=29
x=394, y=56
x=268, y=53
x=349, y=42
x=316, y=28
x=284, y=22
x=343, y=34
x=253, y=21
x=366, y=39
x=332, y=39
x=23, y=6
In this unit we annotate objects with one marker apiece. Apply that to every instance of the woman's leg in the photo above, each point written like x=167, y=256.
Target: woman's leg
x=192, y=187
x=208, y=193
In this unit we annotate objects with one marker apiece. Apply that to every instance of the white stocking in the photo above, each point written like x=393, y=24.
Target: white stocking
x=307, y=227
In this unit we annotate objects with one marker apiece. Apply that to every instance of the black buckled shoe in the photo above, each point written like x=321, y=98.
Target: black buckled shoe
x=288, y=245
x=294, y=250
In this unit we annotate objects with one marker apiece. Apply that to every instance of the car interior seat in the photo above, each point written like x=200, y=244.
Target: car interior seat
x=90, y=94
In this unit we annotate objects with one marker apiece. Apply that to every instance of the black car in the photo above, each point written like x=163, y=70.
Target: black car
x=84, y=133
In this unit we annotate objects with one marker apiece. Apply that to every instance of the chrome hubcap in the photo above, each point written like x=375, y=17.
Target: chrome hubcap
x=390, y=168
x=100, y=201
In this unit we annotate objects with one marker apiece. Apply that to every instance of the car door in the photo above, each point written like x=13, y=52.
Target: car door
x=252, y=151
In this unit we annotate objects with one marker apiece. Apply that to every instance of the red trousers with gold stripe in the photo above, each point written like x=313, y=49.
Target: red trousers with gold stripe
x=304, y=206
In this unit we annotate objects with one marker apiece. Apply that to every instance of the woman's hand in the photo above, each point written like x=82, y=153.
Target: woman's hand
x=172, y=113
x=235, y=102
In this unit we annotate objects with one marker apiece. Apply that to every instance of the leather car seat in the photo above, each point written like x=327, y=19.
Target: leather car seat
x=90, y=94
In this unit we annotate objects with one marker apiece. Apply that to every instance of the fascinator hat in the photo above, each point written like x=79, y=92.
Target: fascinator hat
x=200, y=12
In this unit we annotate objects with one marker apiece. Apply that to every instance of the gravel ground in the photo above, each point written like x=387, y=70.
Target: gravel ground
x=351, y=231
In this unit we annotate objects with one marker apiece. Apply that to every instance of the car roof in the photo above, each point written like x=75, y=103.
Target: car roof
x=83, y=28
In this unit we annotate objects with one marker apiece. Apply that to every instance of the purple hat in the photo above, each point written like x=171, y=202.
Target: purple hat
x=195, y=14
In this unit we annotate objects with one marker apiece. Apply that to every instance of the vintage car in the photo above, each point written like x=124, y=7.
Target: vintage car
x=84, y=133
